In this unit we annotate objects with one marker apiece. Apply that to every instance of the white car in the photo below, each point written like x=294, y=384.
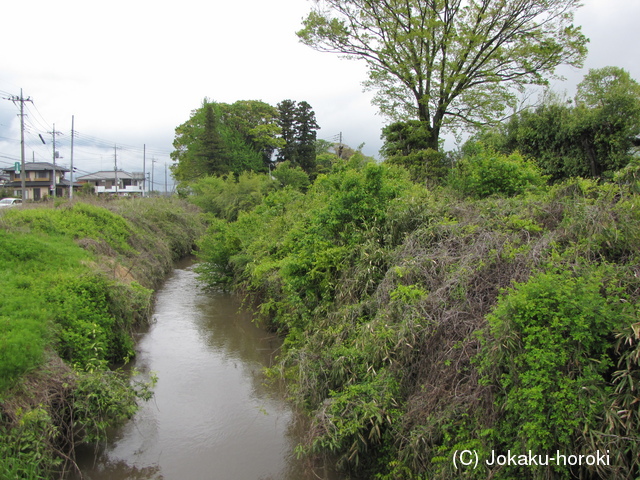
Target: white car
x=10, y=202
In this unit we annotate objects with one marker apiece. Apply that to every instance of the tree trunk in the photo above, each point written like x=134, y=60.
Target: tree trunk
x=591, y=155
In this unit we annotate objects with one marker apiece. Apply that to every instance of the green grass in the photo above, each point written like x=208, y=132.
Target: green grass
x=32, y=266
x=75, y=281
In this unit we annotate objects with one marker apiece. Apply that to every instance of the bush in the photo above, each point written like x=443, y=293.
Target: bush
x=286, y=175
x=486, y=173
x=31, y=262
x=79, y=220
x=226, y=197
x=89, y=335
x=25, y=450
x=423, y=165
x=354, y=422
x=22, y=344
x=550, y=354
x=380, y=285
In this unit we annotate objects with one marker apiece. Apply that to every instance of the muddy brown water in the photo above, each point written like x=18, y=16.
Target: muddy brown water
x=212, y=415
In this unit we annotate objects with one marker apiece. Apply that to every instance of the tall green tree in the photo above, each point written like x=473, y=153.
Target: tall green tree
x=257, y=122
x=608, y=113
x=221, y=138
x=306, y=128
x=449, y=63
x=189, y=161
x=212, y=149
x=287, y=123
x=298, y=125
x=592, y=137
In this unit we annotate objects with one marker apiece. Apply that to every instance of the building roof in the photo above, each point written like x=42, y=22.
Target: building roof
x=38, y=166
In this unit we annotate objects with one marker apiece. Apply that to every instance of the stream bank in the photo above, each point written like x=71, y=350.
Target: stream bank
x=77, y=282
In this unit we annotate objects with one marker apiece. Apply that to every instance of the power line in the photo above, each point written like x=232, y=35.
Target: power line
x=39, y=124
x=34, y=125
x=71, y=170
x=42, y=124
x=109, y=144
x=10, y=157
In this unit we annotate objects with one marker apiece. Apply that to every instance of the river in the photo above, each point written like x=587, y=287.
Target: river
x=212, y=416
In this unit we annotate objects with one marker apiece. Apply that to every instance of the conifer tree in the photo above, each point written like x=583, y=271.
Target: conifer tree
x=306, y=127
x=213, y=155
x=287, y=123
x=297, y=121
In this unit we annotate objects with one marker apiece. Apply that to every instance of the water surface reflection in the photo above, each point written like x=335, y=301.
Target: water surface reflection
x=212, y=416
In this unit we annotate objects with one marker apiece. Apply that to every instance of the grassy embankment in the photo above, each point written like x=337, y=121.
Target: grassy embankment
x=76, y=281
x=491, y=313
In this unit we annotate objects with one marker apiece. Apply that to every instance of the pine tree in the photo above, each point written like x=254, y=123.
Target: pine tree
x=298, y=124
x=287, y=122
x=212, y=148
x=306, y=127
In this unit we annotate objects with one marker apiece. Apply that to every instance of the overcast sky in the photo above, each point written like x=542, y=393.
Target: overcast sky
x=131, y=71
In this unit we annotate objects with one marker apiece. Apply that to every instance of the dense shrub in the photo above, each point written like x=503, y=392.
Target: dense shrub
x=486, y=172
x=550, y=352
x=226, y=197
x=300, y=243
x=79, y=220
x=422, y=322
x=287, y=175
x=31, y=262
x=89, y=335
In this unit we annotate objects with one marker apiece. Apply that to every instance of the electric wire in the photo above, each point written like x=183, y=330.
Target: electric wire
x=88, y=149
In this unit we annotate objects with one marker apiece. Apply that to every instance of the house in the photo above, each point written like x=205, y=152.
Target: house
x=39, y=180
x=117, y=182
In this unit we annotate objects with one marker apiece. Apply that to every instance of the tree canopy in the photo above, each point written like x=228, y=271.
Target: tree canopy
x=222, y=138
x=245, y=136
x=298, y=124
x=407, y=144
x=591, y=137
x=449, y=63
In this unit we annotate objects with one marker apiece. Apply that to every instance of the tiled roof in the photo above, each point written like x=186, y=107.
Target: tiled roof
x=38, y=166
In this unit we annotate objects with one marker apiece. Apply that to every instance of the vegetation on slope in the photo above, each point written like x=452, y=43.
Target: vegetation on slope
x=491, y=313
x=481, y=300
x=76, y=281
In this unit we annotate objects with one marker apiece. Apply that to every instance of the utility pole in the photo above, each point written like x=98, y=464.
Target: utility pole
x=153, y=164
x=71, y=186
x=55, y=155
x=23, y=178
x=165, y=180
x=144, y=166
x=115, y=166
